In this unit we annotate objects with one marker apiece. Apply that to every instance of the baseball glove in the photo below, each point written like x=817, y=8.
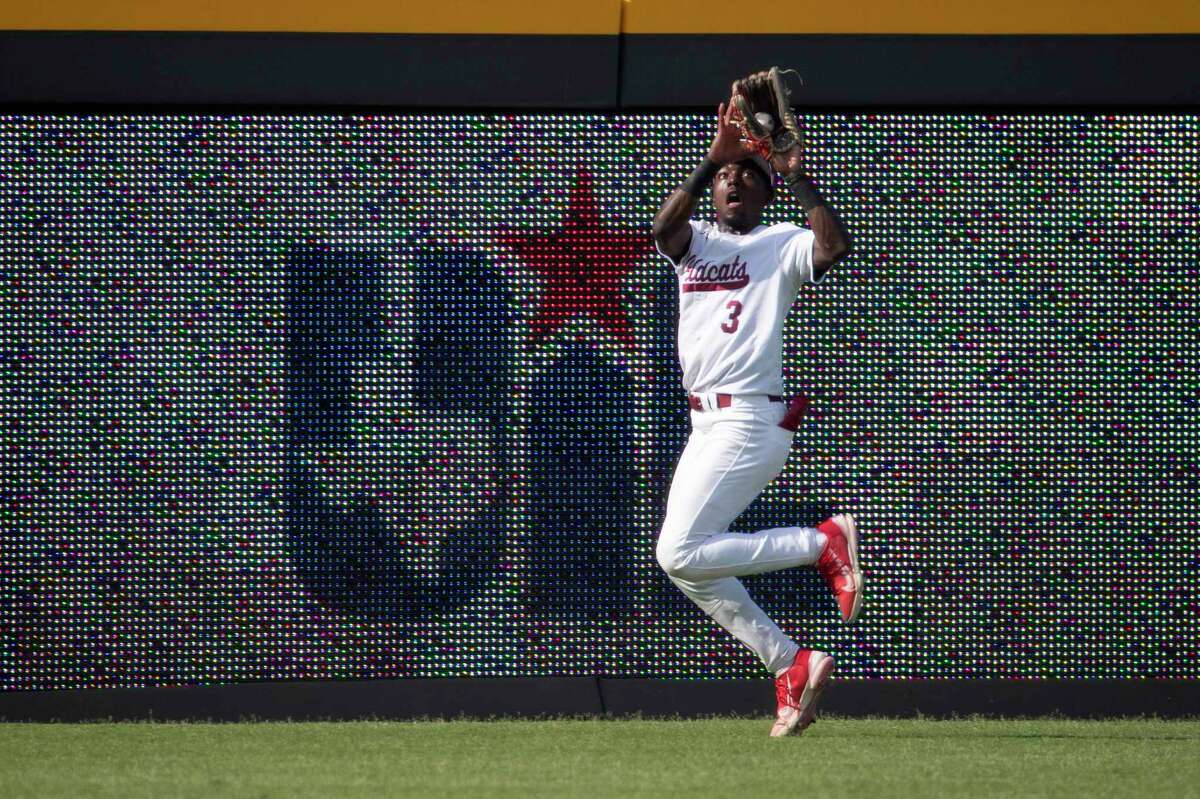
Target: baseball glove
x=763, y=105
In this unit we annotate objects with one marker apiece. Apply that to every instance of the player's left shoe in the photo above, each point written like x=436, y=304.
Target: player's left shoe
x=797, y=691
x=838, y=564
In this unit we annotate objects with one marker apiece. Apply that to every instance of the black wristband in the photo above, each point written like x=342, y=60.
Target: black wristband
x=699, y=180
x=802, y=188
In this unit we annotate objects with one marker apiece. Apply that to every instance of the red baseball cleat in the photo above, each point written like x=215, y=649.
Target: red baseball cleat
x=797, y=691
x=838, y=564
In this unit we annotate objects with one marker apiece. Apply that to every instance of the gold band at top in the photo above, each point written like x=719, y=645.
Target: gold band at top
x=610, y=17
x=320, y=16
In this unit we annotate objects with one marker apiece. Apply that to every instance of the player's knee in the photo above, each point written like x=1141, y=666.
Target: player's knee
x=675, y=557
x=671, y=557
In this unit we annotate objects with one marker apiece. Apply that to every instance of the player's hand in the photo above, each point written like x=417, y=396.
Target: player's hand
x=727, y=145
x=789, y=162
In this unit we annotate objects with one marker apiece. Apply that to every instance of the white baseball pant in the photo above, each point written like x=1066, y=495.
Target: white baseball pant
x=730, y=457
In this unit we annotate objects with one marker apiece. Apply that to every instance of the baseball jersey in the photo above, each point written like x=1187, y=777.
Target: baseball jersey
x=734, y=295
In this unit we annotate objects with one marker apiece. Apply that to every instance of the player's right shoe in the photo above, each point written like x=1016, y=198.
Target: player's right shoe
x=838, y=564
x=797, y=691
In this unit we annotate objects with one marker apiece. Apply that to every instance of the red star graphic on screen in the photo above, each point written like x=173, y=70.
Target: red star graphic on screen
x=583, y=263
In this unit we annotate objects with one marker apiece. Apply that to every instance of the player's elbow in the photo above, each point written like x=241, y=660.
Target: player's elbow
x=660, y=242
x=837, y=249
x=841, y=249
x=660, y=230
x=825, y=257
x=669, y=223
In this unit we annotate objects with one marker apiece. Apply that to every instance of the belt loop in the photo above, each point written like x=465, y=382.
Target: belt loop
x=710, y=401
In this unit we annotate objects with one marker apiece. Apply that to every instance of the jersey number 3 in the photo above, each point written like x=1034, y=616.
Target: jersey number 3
x=731, y=324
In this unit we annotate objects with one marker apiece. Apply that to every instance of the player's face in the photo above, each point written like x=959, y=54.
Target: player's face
x=740, y=193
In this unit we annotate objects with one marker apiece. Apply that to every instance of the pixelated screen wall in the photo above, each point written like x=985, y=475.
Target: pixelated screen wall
x=384, y=396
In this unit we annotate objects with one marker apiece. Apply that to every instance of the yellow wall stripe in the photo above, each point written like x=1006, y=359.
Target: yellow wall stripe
x=916, y=16
x=329, y=16
x=608, y=17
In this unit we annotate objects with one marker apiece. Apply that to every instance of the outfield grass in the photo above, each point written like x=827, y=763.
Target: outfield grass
x=849, y=759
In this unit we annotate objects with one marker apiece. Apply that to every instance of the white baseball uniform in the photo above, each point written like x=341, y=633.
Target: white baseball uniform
x=734, y=294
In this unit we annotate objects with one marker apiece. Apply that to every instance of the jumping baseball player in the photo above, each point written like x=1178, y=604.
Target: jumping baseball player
x=737, y=280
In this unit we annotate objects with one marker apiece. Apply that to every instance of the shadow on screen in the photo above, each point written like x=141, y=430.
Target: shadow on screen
x=347, y=557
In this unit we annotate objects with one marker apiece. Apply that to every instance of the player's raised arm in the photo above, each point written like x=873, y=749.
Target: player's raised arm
x=762, y=109
x=672, y=233
x=832, y=242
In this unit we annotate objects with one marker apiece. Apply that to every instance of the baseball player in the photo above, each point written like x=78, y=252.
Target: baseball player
x=737, y=280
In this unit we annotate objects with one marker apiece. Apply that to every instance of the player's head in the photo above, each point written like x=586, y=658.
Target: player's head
x=741, y=190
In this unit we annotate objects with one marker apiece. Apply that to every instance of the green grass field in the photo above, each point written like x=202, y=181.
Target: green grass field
x=594, y=758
